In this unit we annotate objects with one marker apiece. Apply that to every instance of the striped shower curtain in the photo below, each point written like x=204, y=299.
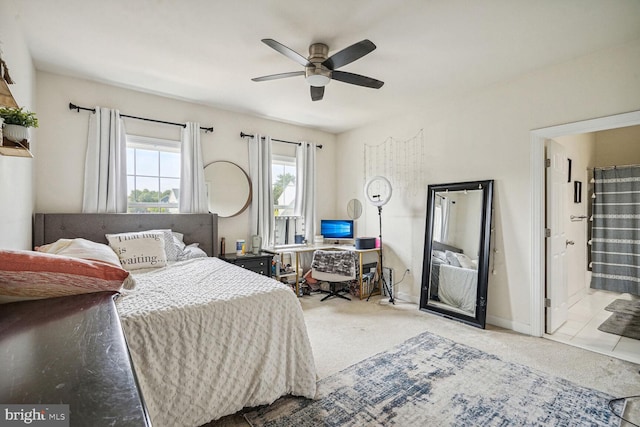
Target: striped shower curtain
x=615, y=242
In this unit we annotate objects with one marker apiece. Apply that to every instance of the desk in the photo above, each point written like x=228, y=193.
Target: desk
x=298, y=249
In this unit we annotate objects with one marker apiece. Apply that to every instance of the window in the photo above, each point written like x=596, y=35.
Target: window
x=153, y=175
x=283, y=175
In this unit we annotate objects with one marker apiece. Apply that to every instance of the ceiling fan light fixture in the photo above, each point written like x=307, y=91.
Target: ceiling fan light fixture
x=318, y=80
x=317, y=75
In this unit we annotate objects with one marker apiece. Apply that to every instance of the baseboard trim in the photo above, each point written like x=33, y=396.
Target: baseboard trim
x=500, y=322
x=403, y=296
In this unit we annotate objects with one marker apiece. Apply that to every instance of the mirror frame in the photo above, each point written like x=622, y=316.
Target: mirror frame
x=249, y=197
x=479, y=319
x=356, y=206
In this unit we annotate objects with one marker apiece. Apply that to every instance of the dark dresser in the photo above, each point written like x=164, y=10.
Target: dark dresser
x=260, y=263
x=70, y=351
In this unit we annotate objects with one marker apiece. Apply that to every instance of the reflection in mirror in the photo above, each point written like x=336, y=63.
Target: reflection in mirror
x=228, y=188
x=456, y=254
x=354, y=208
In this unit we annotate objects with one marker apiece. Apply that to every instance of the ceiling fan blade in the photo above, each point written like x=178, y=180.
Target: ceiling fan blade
x=317, y=92
x=349, y=54
x=291, y=54
x=356, y=79
x=278, y=76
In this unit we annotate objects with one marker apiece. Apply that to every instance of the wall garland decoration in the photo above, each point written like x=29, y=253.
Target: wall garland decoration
x=400, y=161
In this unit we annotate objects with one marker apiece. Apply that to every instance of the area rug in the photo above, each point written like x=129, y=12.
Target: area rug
x=625, y=320
x=433, y=381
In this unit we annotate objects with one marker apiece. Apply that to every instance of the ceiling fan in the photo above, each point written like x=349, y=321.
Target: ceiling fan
x=320, y=69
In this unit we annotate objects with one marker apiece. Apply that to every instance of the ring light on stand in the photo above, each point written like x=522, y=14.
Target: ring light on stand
x=378, y=190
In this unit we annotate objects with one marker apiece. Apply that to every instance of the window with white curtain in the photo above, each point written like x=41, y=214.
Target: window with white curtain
x=437, y=224
x=283, y=175
x=153, y=175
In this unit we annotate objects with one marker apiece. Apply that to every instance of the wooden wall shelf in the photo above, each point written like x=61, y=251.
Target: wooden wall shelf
x=6, y=98
x=10, y=148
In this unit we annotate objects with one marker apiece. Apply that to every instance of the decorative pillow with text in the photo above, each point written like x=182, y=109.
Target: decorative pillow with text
x=138, y=250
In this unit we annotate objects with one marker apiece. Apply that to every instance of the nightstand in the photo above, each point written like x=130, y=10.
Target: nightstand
x=260, y=263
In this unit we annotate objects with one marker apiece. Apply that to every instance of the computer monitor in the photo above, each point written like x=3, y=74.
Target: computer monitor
x=337, y=228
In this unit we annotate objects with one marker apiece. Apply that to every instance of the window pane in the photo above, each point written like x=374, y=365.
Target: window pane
x=130, y=161
x=147, y=162
x=169, y=189
x=169, y=164
x=284, y=186
x=147, y=189
x=153, y=174
x=131, y=188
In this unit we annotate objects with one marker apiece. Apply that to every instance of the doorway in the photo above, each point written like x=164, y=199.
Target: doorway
x=538, y=138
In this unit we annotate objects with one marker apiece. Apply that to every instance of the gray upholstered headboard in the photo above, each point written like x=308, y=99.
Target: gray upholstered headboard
x=200, y=228
x=444, y=247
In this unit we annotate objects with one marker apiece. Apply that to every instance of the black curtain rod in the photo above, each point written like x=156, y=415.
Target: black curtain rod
x=77, y=108
x=242, y=135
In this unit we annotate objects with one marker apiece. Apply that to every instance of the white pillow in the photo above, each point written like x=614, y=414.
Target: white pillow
x=82, y=248
x=143, y=249
x=465, y=261
x=173, y=244
x=192, y=251
x=439, y=254
x=86, y=249
x=452, y=259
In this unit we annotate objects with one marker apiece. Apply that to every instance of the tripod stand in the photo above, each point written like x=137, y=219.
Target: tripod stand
x=384, y=281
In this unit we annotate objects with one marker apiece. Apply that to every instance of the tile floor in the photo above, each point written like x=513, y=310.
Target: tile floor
x=581, y=328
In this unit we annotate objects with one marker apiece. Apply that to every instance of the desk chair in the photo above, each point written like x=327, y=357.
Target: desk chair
x=335, y=267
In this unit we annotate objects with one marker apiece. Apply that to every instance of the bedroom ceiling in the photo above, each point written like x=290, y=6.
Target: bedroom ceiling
x=207, y=51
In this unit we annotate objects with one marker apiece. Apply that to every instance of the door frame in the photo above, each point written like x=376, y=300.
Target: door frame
x=537, y=171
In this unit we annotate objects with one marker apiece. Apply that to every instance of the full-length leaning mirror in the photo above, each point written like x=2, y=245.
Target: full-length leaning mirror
x=228, y=188
x=455, y=270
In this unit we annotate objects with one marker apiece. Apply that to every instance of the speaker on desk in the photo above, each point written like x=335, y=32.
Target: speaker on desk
x=365, y=242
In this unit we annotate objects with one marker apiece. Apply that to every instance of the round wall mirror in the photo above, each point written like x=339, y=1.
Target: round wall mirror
x=354, y=208
x=228, y=188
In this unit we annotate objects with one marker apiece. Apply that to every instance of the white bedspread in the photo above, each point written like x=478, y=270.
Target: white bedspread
x=208, y=338
x=458, y=287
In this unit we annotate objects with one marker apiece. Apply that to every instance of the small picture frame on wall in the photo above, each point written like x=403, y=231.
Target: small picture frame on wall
x=568, y=170
x=577, y=192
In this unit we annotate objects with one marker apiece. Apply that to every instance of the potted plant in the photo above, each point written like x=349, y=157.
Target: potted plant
x=17, y=122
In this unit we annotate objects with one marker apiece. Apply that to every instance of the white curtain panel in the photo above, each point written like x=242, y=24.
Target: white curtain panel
x=193, y=192
x=306, y=187
x=105, y=168
x=446, y=213
x=262, y=221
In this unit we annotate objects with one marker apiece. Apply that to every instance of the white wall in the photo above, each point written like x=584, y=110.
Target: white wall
x=17, y=173
x=63, y=135
x=486, y=135
x=618, y=147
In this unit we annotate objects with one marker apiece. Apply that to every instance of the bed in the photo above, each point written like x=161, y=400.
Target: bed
x=206, y=337
x=454, y=278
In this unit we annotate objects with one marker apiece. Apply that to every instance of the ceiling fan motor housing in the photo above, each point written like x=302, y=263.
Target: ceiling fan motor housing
x=316, y=73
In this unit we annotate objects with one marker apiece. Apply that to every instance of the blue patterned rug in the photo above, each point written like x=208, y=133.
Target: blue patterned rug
x=432, y=381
